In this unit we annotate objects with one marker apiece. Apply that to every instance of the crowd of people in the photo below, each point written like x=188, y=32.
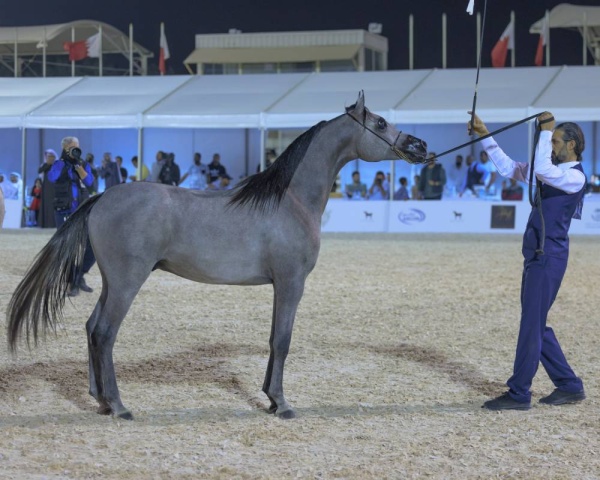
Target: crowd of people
x=434, y=182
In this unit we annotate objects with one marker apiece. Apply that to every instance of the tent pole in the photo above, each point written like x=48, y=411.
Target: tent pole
x=16, y=55
x=513, y=39
x=131, y=52
x=444, y=33
x=584, y=39
x=100, y=63
x=44, y=55
x=23, y=170
x=140, y=153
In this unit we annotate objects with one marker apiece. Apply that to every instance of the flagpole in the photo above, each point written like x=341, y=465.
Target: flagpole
x=44, y=54
x=131, y=53
x=411, y=43
x=444, y=33
x=100, y=62
x=548, y=39
x=513, y=39
x=584, y=39
x=162, y=35
x=16, y=55
x=72, y=61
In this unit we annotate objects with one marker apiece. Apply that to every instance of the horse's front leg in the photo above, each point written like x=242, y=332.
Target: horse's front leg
x=287, y=295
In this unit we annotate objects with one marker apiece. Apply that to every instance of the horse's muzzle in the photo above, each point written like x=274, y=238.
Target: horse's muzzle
x=412, y=149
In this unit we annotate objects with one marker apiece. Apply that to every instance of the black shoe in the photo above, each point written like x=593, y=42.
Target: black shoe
x=84, y=286
x=73, y=290
x=506, y=402
x=560, y=397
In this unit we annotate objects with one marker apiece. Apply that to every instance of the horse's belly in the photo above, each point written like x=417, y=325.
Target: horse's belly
x=217, y=273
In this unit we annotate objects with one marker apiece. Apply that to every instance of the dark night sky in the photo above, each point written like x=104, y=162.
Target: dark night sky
x=185, y=18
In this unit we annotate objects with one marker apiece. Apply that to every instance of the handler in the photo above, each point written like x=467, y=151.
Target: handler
x=67, y=174
x=561, y=181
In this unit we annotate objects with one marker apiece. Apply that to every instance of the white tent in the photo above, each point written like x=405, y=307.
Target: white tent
x=584, y=19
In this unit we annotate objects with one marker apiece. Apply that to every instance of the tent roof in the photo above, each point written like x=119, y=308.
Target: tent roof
x=566, y=15
x=297, y=100
x=30, y=40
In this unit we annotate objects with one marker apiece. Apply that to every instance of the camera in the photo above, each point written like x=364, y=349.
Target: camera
x=74, y=156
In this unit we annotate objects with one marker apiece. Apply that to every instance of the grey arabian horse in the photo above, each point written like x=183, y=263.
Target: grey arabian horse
x=270, y=235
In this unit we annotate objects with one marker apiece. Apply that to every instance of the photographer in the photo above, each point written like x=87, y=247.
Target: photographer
x=67, y=174
x=380, y=188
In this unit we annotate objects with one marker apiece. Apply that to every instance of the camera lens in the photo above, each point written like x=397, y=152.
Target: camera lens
x=75, y=153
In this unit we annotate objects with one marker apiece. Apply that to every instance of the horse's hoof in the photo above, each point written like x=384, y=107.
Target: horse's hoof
x=126, y=415
x=287, y=414
x=104, y=410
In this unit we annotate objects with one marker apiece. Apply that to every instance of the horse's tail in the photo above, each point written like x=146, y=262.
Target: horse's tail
x=40, y=297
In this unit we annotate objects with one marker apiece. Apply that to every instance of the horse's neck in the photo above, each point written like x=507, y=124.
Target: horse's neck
x=331, y=149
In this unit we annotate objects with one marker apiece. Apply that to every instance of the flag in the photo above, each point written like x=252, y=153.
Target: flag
x=164, y=51
x=470, y=7
x=503, y=45
x=83, y=48
x=539, y=54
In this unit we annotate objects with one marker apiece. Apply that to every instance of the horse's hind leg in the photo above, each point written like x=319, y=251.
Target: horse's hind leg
x=103, y=327
x=287, y=298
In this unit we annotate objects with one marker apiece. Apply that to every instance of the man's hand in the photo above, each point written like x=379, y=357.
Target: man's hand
x=546, y=121
x=80, y=171
x=478, y=126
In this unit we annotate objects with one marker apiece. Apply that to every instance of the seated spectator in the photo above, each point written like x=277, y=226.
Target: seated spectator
x=145, y=171
x=223, y=183
x=378, y=188
x=511, y=190
x=402, y=192
x=356, y=190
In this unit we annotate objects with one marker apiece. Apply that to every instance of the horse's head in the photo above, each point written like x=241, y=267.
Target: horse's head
x=381, y=140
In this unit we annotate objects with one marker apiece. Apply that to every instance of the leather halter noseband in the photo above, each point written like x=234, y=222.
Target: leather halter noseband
x=393, y=146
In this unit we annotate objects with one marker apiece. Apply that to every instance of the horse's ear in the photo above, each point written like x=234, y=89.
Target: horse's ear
x=359, y=106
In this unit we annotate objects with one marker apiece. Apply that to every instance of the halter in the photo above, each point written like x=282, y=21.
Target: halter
x=393, y=146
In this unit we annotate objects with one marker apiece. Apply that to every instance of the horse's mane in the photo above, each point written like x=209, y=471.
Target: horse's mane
x=265, y=190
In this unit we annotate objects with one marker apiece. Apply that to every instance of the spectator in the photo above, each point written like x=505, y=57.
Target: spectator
x=8, y=188
x=433, y=179
x=402, y=192
x=512, y=190
x=415, y=194
x=169, y=173
x=270, y=157
x=122, y=169
x=145, y=171
x=215, y=169
x=197, y=173
x=36, y=200
x=455, y=176
x=109, y=171
x=15, y=179
x=479, y=174
x=46, y=218
x=2, y=208
x=68, y=173
x=378, y=190
x=223, y=183
x=161, y=158
x=356, y=190
x=89, y=158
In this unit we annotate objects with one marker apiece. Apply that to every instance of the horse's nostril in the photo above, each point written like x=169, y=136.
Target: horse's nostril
x=424, y=143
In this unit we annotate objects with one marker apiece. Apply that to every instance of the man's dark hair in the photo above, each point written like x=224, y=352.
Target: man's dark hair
x=355, y=172
x=572, y=131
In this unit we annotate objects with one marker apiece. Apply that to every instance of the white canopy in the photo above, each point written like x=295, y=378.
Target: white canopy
x=296, y=100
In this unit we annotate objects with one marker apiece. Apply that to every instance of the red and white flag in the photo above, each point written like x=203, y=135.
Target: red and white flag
x=164, y=51
x=503, y=45
x=84, y=48
x=544, y=34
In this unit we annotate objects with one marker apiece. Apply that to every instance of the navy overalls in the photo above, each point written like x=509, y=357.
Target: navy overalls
x=542, y=276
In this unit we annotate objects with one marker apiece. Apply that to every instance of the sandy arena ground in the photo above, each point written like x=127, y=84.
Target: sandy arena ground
x=398, y=341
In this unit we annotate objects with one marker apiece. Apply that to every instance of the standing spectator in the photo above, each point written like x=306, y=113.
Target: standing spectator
x=170, y=174
x=215, y=169
x=479, y=174
x=109, y=171
x=197, y=173
x=15, y=179
x=8, y=188
x=356, y=190
x=415, y=194
x=36, y=200
x=433, y=179
x=122, y=169
x=378, y=190
x=145, y=171
x=160, y=159
x=455, y=176
x=89, y=158
x=402, y=192
x=561, y=187
x=46, y=218
x=68, y=173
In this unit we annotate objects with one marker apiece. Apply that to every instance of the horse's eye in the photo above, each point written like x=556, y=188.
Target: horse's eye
x=381, y=124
